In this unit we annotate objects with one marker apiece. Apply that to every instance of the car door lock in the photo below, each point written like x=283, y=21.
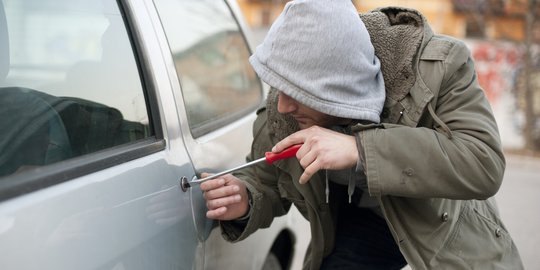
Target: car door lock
x=184, y=184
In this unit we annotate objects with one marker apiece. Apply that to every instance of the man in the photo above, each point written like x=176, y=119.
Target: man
x=415, y=188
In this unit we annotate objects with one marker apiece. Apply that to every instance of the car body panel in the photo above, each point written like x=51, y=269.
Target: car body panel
x=98, y=216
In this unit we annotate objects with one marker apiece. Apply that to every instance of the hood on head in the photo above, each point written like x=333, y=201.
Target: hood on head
x=319, y=53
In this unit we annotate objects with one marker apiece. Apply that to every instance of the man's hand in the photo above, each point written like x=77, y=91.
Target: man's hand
x=226, y=197
x=322, y=149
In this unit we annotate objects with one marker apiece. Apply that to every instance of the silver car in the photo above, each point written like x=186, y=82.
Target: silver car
x=105, y=107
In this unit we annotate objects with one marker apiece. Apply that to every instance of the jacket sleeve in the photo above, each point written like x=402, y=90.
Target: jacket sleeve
x=261, y=181
x=422, y=162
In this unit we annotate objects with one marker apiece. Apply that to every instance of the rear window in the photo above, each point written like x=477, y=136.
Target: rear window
x=211, y=60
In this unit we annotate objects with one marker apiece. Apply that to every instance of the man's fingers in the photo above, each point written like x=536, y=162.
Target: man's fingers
x=295, y=138
x=212, y=184
x=216, y=213
x=226, y=197
x=306, y=156
x=221, y=192
x=229, y=179
x=224, y=201
x=309, y=171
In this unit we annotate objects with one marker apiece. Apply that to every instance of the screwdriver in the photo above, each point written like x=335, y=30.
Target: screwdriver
x=269, y=158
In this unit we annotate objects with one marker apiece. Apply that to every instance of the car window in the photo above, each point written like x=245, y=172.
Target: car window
x=69, y=82
x=210, y=55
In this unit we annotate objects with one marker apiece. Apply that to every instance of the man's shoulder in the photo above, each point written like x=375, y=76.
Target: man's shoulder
x=441, y=47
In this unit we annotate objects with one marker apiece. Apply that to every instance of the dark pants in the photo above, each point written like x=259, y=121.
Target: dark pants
x=363, y=241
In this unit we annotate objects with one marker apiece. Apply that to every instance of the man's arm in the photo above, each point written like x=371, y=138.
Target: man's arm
x=423, y=162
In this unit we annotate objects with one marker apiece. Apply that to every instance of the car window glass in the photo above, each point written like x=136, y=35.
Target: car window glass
x=69, y=82
x=210, y=56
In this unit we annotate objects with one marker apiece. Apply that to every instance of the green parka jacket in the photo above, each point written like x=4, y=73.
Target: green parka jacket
x=434, y=163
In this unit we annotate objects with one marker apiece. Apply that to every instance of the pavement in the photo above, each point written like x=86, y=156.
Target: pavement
x=519, y=205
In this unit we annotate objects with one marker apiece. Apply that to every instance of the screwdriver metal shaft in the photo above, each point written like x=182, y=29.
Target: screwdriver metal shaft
x=228, y=171
x=269, y=158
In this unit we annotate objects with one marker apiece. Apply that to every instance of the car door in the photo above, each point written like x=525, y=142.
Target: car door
x=216, y=93
x=216, y=90
x=91, y=146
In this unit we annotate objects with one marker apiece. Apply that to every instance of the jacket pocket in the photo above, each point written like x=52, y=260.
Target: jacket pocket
x=478, y=237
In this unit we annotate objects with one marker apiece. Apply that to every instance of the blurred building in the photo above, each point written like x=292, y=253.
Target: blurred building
x=487, y=19
x=498, y=19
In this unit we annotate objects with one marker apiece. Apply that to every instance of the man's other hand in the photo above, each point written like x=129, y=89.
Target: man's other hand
x=226, y=197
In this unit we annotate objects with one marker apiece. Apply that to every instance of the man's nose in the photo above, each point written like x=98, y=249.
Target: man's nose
x=286, y=104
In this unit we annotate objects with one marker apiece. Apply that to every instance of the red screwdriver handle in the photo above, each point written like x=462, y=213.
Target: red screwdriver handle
x=287, y=153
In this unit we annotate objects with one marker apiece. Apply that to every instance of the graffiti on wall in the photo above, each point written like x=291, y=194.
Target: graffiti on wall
x=497, y=67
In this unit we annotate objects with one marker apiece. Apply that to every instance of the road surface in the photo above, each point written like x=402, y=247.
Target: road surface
x=519, y=204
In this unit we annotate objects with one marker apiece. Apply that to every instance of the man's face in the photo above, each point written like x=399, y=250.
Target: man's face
x=305, y=116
